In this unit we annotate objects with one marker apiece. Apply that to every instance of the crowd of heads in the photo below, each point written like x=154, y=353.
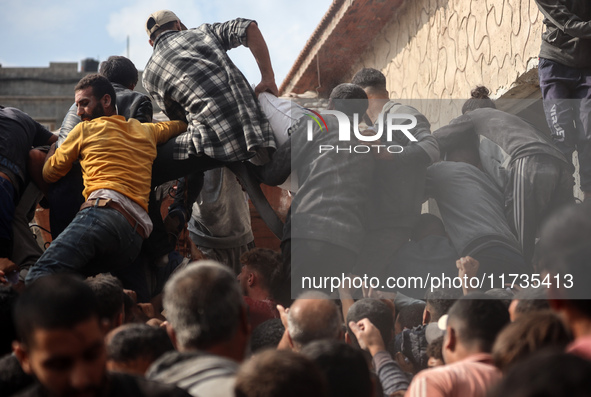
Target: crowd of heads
x=66, y=326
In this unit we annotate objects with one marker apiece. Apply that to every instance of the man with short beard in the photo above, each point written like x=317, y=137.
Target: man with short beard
x=116, y=158
x=65, y=196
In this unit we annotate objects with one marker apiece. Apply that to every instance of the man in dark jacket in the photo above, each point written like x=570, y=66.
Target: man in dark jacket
x=533, y=174
x=398, y=185
x=324, y=229
x=65, y=196
x=565, y=79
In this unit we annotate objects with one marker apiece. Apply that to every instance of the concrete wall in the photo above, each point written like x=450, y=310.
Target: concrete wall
x=45, y=94
x=441, y=49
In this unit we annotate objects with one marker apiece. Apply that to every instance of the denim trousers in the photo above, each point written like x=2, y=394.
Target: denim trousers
x=98, y=240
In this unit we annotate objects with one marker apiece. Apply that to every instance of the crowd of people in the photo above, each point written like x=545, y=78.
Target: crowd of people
x=110, y=308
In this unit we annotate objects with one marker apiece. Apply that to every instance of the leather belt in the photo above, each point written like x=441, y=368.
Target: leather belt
x=102, y=202
x=4, y=176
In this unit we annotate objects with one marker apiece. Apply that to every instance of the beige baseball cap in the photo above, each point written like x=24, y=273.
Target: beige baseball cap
x=159, y=18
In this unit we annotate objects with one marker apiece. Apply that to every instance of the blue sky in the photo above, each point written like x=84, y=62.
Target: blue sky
x=36, y=32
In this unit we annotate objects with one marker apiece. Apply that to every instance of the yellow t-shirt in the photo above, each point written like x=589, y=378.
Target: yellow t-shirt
x=114, y=154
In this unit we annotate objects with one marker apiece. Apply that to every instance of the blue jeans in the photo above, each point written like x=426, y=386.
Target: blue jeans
x=98, y=240
x=566, y=92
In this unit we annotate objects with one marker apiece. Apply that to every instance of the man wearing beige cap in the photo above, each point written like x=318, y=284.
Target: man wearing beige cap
x=191, y=77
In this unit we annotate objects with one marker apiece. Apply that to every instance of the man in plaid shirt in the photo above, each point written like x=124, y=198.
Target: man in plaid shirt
x=191, y=77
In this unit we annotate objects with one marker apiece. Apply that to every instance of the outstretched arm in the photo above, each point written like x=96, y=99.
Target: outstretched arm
x=389, y=372
x=259, y=50
x=276, y=171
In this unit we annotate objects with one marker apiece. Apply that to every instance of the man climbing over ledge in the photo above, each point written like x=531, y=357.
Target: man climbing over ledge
x=191, y=77
x=116, y=158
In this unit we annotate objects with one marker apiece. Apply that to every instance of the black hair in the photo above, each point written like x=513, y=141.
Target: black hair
x=435, y=349
x=280, y=373
x=478, y=319
x=528, y=334
x=479, y=99
x=549, y=373
x=501, y=294
x=120, y=70
x=369, y=77
x=109, y=294
x=349, y=99
x=344, y=366
x=53, y=302
x=267, y=334
x=410, y=316
x=440, y=301
x=101, y=86
x=265, y=262
x=377, y=312
x=136, y=341
x=8, y=298
x=531, y=300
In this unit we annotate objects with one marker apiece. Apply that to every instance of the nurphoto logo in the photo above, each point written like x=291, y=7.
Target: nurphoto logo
x=393, y=122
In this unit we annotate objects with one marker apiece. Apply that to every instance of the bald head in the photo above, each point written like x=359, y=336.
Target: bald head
x=313, y=316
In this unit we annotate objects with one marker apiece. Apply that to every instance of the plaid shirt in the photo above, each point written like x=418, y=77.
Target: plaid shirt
x=191, y=77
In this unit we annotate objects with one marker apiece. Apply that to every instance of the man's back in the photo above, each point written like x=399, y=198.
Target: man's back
x=472, y=376
x=133, y=104
x=331, y=201
x=398, y=188
x=199, y=373
x=514, y=135
x=190, y=75
x=471, y=206
x=130, y=104
x=18, y=132
x=115, y=154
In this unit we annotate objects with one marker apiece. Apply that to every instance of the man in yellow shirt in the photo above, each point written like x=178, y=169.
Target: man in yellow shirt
x=116, y=158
